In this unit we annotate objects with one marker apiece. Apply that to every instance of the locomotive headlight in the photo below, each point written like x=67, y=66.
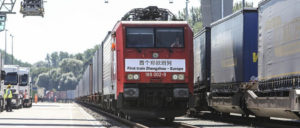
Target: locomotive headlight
x=136, y=76
x=131, y=92
x=133, y=76
x=181, y=93
x=174, y=77
x=181, y=77
x=178, y=77
x=130, y=76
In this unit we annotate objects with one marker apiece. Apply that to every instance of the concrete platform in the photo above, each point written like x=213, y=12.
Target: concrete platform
x=51, y=115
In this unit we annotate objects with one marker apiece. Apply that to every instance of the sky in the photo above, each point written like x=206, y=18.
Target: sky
x=71, y=25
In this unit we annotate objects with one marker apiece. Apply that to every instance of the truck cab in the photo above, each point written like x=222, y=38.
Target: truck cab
x=25, y=86
x=12, y=78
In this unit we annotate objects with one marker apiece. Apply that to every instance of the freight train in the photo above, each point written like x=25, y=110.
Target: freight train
x=143, y=68
x=249, y=63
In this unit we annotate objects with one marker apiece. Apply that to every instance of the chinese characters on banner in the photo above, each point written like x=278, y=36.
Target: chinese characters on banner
x=154, y=65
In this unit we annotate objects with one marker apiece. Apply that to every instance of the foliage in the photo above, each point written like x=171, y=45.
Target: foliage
x=16, y=62
x=239, y=5
x=43, y=81
x=67, y=81
x=62, y=70
x=71, y=65
x=194, y=19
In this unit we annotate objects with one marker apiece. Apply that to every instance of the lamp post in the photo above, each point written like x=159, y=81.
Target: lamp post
x=5, y=47
x=12, y=49
x=186, y=8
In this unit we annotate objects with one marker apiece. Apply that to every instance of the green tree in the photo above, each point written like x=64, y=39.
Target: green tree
x=194, y=19
x=71, y=65
x=63, y=55
x=36, y=71
x=239, y=5
x=43, y=81
x=54, y=76
x=48, y=59
x=67, y=81
x=54, y=59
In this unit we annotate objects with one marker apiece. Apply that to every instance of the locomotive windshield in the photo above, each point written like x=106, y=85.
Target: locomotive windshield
x=169, y=37
x=11, y=78
x=164, y=37
x=140, y=37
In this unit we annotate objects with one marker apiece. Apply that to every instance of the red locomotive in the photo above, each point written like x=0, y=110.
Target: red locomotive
x=146, y=65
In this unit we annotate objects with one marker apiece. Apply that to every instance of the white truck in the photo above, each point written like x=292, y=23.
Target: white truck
x=12, y=78
x=25, y=86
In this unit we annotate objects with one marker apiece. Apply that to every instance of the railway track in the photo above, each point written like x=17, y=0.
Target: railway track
x=232, y=119
x=249, y=121
x=137, y=123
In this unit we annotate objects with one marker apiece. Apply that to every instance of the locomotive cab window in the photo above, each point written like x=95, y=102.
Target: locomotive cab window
x=169, y=37
x=140, y=37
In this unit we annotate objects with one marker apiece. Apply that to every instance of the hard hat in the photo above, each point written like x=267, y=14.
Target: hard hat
x=9, y=86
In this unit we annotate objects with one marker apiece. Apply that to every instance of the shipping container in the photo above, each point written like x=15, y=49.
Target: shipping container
x=71, y=94
x=95, y=74
x=279, y=44
x=234, y=49
x=108, y=56
x=278, y=60
x=202, y=57
x=80, y=88
x=90, y=92
x=86, y=81
x=100, y=70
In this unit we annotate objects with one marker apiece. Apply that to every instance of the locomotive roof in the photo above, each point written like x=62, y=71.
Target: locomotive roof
x=150, y=23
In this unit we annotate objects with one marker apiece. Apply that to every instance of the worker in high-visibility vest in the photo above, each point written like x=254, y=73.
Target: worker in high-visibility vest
x=8, y=96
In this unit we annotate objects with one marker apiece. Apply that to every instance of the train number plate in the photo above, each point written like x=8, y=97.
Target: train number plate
x=156, y=74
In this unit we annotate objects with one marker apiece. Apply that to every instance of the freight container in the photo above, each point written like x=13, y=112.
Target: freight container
x=80, y=88
x=90, y=92
x=279, y=44
x=108, y=56
x=100, y=69
x=233, y=60
x=202, y=57
x=202, y=48
x=86, y=81
x=95, y=74
x=94, y=60
x=234, y=50
x=278, y=61
x=71, y=94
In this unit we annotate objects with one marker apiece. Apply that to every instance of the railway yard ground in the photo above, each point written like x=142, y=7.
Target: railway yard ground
x=73, y=115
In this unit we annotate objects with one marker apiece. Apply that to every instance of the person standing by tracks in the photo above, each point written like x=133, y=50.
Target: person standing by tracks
x=8, y=97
